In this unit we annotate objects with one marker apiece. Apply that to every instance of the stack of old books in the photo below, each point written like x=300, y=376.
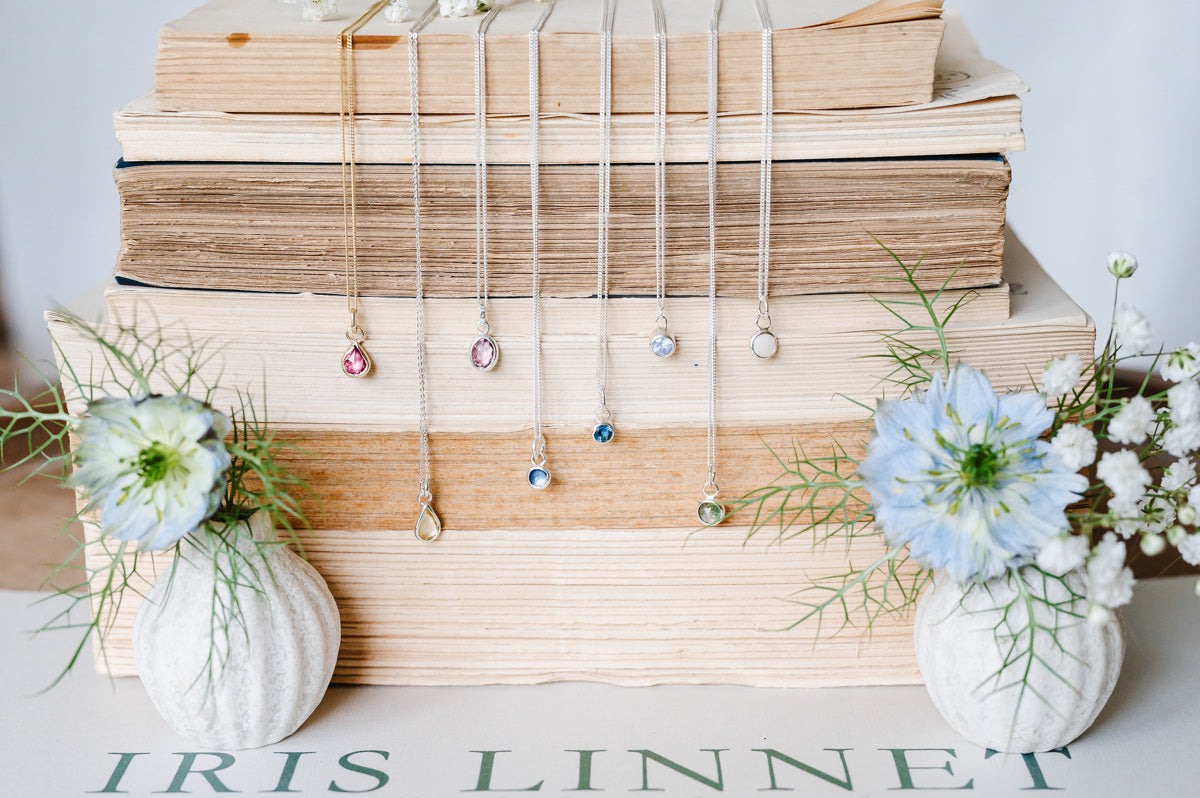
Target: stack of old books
x=889, y=128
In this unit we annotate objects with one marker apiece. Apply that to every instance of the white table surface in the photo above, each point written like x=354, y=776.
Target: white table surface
x=427, y=742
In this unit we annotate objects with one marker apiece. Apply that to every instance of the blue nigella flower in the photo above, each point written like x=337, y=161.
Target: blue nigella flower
x=960, y=476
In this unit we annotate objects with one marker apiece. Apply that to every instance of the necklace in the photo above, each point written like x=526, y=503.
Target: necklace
x=710, y=512
x=662, y=342
x=428, y=526
x=538, y=475
x=355, y=361
x=763, y=342
x=484, y=352
x=604, y=430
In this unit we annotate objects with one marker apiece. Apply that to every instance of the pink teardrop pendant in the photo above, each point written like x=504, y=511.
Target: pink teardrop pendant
x=356, y=362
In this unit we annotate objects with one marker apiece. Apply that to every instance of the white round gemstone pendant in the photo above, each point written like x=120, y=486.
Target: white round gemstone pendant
x=764, y=344
x=485, y=353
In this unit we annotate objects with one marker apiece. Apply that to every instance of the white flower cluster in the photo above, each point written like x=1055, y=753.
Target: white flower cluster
x=461, y=8
x=1132, y=330
x=318, y=10
x=1121, y=264
x=1061, y=375
x=1157, y=516
x=396, y=10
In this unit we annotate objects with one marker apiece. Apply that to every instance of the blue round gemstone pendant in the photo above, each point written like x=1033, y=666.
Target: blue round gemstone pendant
x=603, y=432
x=539, y=477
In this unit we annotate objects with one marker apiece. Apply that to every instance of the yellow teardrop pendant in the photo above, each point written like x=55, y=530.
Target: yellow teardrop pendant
x=428, y=527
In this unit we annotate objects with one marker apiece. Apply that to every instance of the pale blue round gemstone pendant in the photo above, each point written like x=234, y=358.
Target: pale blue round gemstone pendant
x=603, y=432
x=539, y=477
x=662, y=344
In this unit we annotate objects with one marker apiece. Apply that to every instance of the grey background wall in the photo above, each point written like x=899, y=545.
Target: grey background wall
x=1112, y=160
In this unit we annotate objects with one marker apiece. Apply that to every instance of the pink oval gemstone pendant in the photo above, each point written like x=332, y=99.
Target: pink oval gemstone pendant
x=485, y=353
x=356, y=362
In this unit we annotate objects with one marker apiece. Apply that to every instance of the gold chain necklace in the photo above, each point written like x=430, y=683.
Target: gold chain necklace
x=355, y=362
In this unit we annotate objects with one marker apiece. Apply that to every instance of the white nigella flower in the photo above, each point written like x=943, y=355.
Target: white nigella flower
x=1132, y=330
x=1062, y=553
x=1181, y=365
x=1074, y=445
x=155, y=468
x=1110, y=583
x=1194, y=499
x=1124, y=475
x=1061, y=375
x=1184, y=401
x=1189, y=549
x=396, y=10
x=460, y=8
x=1132, y=422
x=1182, y=440
x=1121, y=264
x=318, y=10
x=1179, y=475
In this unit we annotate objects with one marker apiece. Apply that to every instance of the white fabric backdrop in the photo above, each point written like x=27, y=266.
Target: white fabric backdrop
x=1112, y=125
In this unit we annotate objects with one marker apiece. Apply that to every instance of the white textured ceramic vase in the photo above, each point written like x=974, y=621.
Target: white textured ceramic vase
x=959, y=657
x=271, y=672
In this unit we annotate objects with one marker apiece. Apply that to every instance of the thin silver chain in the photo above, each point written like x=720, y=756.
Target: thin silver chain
x=414, y=111
x=710, y=487
x=602, y=413
x=539, y=441
x=764, y=170
x=481, y=186
x=660, y=159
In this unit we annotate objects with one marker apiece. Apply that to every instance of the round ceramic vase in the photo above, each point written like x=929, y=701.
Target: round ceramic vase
x=962, y=660
x=267, y=676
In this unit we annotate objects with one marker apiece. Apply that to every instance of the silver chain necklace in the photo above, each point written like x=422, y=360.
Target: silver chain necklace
x=662, y=342
x=484, y=352
x=763, y=342
x=603, y=431
x=710, y=511
x=538, y=475
x=428, y=526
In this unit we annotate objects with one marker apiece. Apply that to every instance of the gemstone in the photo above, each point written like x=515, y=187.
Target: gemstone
x=428, y=527
x=710, y=512
x=539, y=477
x=603, y=433
x=356, y=362
x=764, y=344
x=662, y=345
x=484, y=353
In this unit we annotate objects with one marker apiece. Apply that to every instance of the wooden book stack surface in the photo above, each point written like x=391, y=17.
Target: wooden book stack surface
x=606, y=575
x=233, y=180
